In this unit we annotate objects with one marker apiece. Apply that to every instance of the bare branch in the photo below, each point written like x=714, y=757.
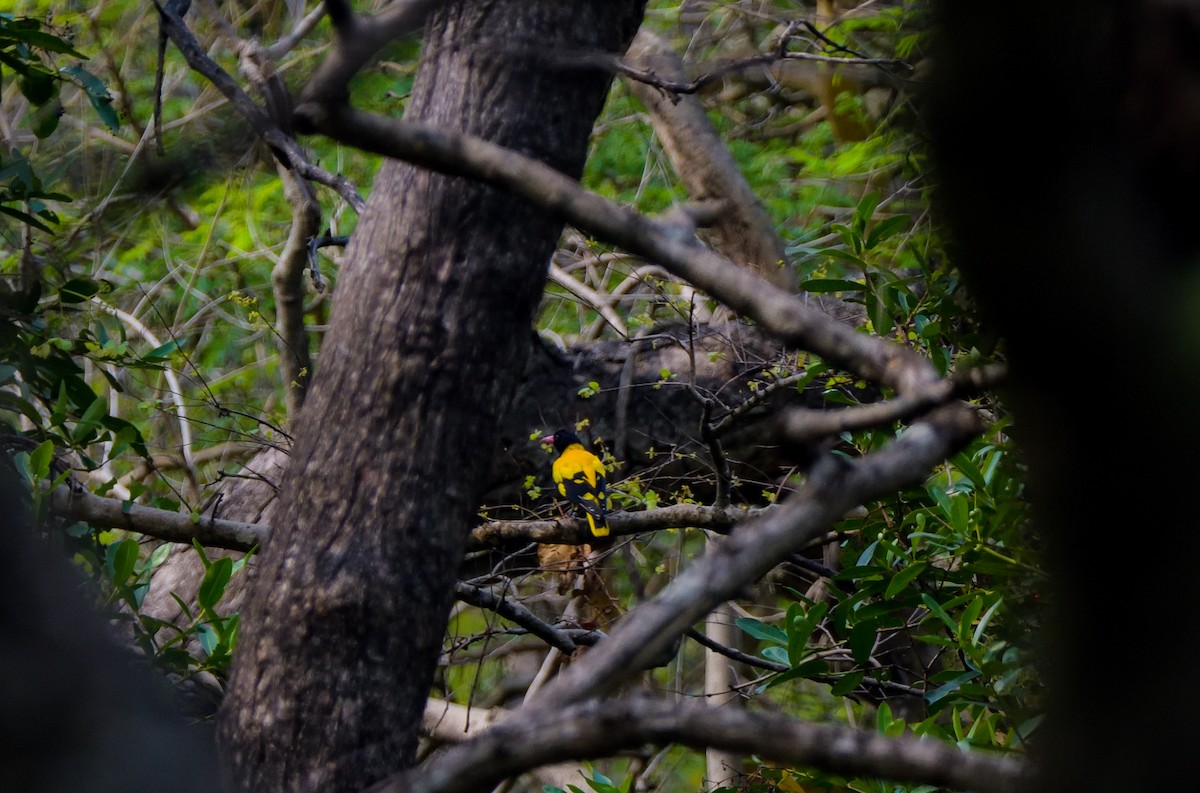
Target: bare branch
x=573, y=531
x=779, y=312
x=599, y=303
x=264, y=126
x=302, y=29
x=804, y=426
x=601, y=728
x=287, y=280
x=515, y=612
x=771, y=666
x=79, y=504
x=676, y=85
x=358, y=39
x=235, y=535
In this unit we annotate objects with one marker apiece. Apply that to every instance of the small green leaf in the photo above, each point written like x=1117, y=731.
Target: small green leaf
x=40, y=39
x=864, y=211
x=936, y=609
x=122, y=558
x=846, y=256
x=157, y=557
x=761, y=631
x=862, y=641
x=216, y=578
x=966, y=622
x=902, y=579
x=40, y=459
x=162, y=351
x=776, y=654
x=867, y=555
x=888, y=227
x=97, y=94
x=89, y=422
x=932, y=697
x=847, y=683
x=977, y=636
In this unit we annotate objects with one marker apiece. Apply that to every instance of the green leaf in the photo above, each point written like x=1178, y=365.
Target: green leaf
x=966, y=622
x=902, y=579
x=208, y=639
x=862, y=641
x=867, y=555
x=847, y=683
x=964, y=464
x=122, y=558
x=776, y=654
x=25, y=218
x=761, y=631
x=863, y=212
x=601, y=784
x=40, y=39
x=846, y=256
x=98, y=95
x=888, y=227
x=941, y=692
x=936, y=609
x=157, y=557
x=216, y=578
x=124, y=437
x=199, y=549
x=814, y=667
x=40, y=459
x=977, y=636
x=162, y=351
x=15, y=404
x=89, y=422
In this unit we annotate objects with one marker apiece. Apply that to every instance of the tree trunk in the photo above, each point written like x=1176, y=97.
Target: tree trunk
x=395, y=440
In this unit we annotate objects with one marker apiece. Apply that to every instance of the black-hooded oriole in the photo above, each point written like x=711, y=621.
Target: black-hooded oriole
x=579, y=475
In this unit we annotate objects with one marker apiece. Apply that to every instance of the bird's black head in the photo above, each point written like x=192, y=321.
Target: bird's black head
x=562, y=439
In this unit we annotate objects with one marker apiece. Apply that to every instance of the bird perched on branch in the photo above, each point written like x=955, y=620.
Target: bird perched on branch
x=579, y=475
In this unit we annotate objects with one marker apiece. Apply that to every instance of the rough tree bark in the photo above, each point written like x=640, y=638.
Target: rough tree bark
x=429, y=329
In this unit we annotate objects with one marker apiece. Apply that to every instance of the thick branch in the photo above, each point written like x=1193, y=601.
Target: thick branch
x=600, y=728
x=573, y=531
x=781, y=313
x=514, y=612
x=79, y=504
x=238, y=536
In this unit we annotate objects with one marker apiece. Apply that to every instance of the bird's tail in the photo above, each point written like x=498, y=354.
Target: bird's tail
x=597, y=522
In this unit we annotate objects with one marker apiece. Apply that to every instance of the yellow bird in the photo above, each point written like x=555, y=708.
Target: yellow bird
x=579, y=475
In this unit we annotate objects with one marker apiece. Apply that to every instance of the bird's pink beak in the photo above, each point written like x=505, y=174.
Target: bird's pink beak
x=548, y=439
